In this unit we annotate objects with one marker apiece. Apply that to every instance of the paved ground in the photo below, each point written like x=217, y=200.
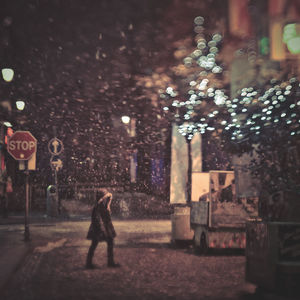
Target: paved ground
x=151, y=267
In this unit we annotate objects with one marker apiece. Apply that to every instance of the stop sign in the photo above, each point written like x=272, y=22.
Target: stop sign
x=21, y=145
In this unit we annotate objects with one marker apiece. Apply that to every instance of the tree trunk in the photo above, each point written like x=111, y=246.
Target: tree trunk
x=189, y=175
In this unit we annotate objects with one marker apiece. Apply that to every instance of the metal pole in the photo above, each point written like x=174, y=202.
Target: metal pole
x=55, y=178
x=27, y=233
x=56, y=185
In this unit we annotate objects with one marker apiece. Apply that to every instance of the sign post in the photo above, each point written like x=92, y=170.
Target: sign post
x=22, y=146
x=56, y=147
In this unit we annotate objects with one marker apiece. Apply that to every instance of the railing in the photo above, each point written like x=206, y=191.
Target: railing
x=79, y=198
x=83, y=192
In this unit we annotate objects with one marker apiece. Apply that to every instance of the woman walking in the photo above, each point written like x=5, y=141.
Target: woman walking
x=101, y=229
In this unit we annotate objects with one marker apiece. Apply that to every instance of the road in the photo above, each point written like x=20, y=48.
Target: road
x=151, y=267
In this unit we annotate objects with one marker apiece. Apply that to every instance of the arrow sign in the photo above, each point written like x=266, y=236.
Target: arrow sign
x=56, y=163
x=55, y=146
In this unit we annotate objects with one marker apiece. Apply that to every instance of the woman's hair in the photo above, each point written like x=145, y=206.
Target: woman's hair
x=100, y=193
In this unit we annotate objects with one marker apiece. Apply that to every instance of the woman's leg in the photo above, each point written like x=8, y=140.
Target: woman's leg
x=110, y=253
x=90, y=254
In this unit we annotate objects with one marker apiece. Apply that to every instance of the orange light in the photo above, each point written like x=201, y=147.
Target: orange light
x=9, y=133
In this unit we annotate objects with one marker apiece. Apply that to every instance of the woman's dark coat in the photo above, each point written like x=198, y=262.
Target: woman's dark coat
x=101, y=228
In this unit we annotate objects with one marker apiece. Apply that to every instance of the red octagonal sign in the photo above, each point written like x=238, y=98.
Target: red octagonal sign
x=21, y=145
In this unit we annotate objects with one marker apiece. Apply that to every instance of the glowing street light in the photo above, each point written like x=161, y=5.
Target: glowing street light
x=7, y=124
x=20, y=105
x=125, y=119
x=8, y=74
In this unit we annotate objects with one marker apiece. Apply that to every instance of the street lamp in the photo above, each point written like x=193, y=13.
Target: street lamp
x=20, y=105
x=7, y=74
x=7, y=124
x=125, y=119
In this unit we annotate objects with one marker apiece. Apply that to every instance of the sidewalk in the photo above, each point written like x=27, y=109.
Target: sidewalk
x=13, y=247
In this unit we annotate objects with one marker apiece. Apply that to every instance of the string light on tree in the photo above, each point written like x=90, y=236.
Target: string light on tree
x=262, y=113
x=202, y=88
x=206, y=52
